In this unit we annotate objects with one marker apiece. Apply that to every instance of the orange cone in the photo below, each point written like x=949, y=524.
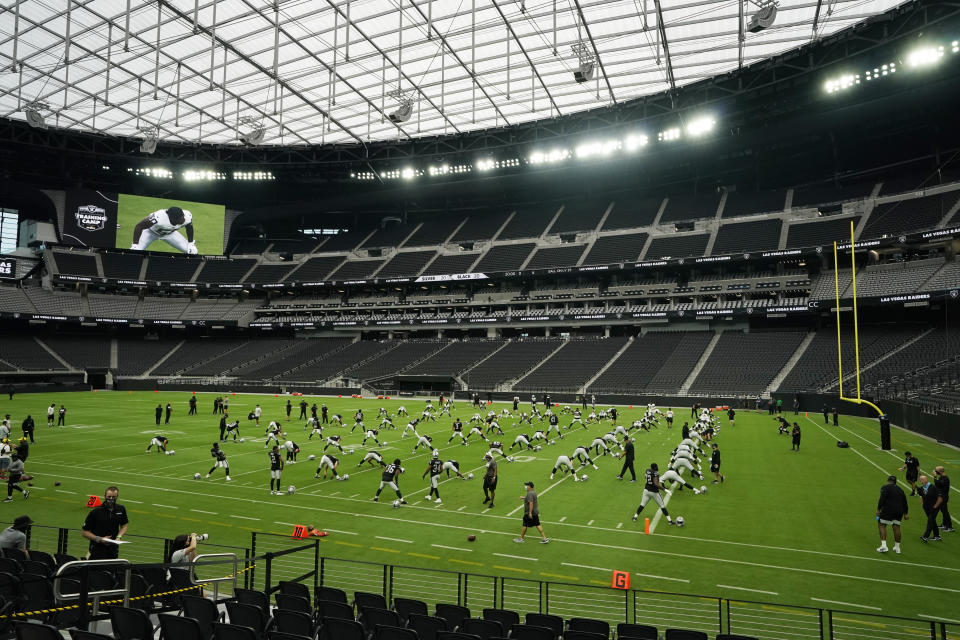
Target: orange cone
x=646, y=526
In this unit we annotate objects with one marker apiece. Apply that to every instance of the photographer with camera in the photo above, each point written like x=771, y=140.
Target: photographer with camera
x=184, y=547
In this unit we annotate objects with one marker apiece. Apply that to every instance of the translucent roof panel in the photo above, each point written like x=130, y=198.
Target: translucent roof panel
x=334, y=71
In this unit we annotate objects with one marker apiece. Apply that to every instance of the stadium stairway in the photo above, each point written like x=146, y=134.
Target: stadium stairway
x=507, y=385
x=159, y=362
x=685, y=389
x=866, y=367
x=616, y=356
x=459, y=378
x=791, y=363
x=45, y=347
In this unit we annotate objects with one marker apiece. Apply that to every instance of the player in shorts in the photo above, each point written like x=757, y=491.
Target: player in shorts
x=333, y=441
x=651, y=491
x=434, y=467
x=715, y=464
x=457, y=431
x=388, y=479
x=564, y=464
x=372, y=458
x=276, y=468
x=219, y=460
x=165, y=225
x=328, y=462
x=160, y=442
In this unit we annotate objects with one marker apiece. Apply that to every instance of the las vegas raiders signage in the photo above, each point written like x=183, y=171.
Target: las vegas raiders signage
x=90, y=219
x=8, y=268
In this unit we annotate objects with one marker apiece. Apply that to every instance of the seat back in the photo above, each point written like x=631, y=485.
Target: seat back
x=44, y=557
x=331, y=594
x=80, y=634
x=36, y=631
x=33, y=566
x=247, y=615
x=482, y=628
x=590, y=625
x=224, y=631
x=363, y=600
x=571, y=634
x=426, y=626
x=295, y=589
x=337, y=629
x=405, y=606
x=384, y=632
x=370, y=617
x=176, y=627
x=454, y=614
x=293, y=603
x=505, y=617
x=530, y=632
x=638, y=631
x=256, y=598
x=280, y=635
x=11, y=566
x=202, y=610
x=456, y=635
x=130, y=624
x=684, y=634
x=295, y=622
x=337, y=610
x=552, y=622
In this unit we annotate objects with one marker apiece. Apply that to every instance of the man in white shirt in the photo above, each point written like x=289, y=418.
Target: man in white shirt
x=164, y=225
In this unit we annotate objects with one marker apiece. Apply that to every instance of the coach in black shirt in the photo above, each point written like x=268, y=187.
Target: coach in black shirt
x=942, y=480
x=627, y=460
x=106, y=522
x=891, y=509
x=223, y=426
x=28, y=427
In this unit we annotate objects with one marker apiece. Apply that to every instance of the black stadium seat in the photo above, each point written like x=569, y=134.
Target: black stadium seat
x=505, y=617
x=637, y=631
x=589, y=625
x=684, y=634
x=406, y=606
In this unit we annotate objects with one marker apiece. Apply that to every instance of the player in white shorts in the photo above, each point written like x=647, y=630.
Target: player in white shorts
x=494, y=425
x=160, y=442
x=683, y=463
x=434, y=467
x=581, y=454
x=497, y=447
x=457, y=432
x=692, y=444
x=423, y=441
x=336, y=418
x=453, y=465
x=598, y=444
x=619, y=430
x=219, y=460
x=523, y=440
x=327, y=462
x=370, y=433
x=333, y=441
x=671, y=475
x=651, y=491
x=685, y=453
x=317, y=428
x=411, y=426
x=273, y=433
x=564, y=464
x=538, y=435
x=401, y=410
x=478, y=431
x=475, y=418
x=386, y=423
x=577, y=419
x=373, y=458
x=292, y=450
x=164, y=225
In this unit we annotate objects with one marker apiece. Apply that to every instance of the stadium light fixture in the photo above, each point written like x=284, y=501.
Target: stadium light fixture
x=151, y=136
x=408, y=173
x=549, y=157
x=635, y=141
x=700, y=126
x=33, y=112
x=925, y=56
x=598, y=148
x=152, y=172
x=668, y=135
x=204, y=175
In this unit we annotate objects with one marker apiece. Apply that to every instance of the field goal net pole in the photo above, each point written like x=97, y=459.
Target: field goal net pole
x=885, y=425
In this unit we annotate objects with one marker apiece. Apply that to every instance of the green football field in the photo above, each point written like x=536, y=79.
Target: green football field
x=786, y=527
x=207, y=222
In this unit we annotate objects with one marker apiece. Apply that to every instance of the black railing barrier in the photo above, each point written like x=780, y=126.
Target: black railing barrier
x=663, y=609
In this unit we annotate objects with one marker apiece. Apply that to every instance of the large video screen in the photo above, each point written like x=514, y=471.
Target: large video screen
x=168, y=225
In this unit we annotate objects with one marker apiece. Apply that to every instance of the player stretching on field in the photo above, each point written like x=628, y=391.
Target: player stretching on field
x=163, y=225
x=219, y=460
x=328, y=462
x=434, y=467
x=391, y=473
x=651, y=491
x=160, y=442
x=373, y=458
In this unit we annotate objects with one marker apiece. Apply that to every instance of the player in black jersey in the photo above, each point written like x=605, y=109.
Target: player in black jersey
x=276, y=468
x=303, y=410
x=292, y=450
x=651, y=491
x=233, y=428
x=328, y=462
x=373, y=458
x=715, y=465
x=457, y=431
x=370, y=433
x=219, y=460
x=912, y=465
x=391, y=473
x=424, y=441
x=434, y=467
x=333, y=441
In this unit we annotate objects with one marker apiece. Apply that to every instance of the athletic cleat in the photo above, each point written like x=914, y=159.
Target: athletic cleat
x=922, y=539
x=882, y=549
x=428, y=498
x=544, y=540
x=946, y=529
x=376, y=499
x=26, y=494
x=635, y=516
x=403, y=502
x=228, y=478
x=437, y=501
x=519, y=540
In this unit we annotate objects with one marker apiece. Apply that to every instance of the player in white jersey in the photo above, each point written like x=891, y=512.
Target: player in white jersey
x=669, y=416
x=165, y=225
x=564, y=464
x=370, y=433
x=685, y=453
x=317, y=429
x=505, y=413
x=619, y=430
x=383, y=413
x=358, y=422
x=273, y=433
x=581, y=454
x=693, y=445
x=373, y=458
x=50, y=411
x=423, y=441
x=453, y=465
x=476, y=431
x=475, y=418
x=610, y=437
x=494, y=425
x=591, y=417
x=538, y=435
x=411, y=426
x=683, y=463
x=577, y=419
x=386, y=423
x=523, y=440
x=337, y=418
x=671, y=474
x=401, y=410
x=257, y=412
x=327, y=462
x=525, y=417
x=333, y=441
x=598, y=444
x=427, y=414
x=292, y=450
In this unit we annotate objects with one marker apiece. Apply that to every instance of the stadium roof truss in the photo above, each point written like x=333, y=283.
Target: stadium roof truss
x=321, y=72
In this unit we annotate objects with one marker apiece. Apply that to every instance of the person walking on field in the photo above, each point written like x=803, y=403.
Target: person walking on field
x=932, y=500
x=628, y=454
x=531, y=515
x=942, y=480
x=891, y=509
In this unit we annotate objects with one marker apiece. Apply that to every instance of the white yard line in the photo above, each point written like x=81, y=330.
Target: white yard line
x=243, y=517
x=507, y=555
x=584, y=566
x=562, y=519
x=848, y=604
x=730, y=586
x=647, y=575
x=590, y=523
x=443, y=546
x=538, y=495
x=165, y=506
x=349, y=533
x=394, y=539
x=938, y=618
x=209, y=513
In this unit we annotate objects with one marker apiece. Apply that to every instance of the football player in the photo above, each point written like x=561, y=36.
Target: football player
x=391, y=473
x=497, y=447
x=333, y=441
x=475, y=431
x=555, y=426
x=276, y=468
x=453, y=465
x=386, y=423
x=292, y=450
x=401, y=410
x=583, y=456
x=411, y=426
x=328, y=462
x=316, y=428
x=599, y=443
x=651, y=491
x=233, y=428
x=564, y=464
x=160, y=442
x=164, y=225
x=434, y=467
x=457, y=431
x=492, y=425
x=523, y=440
x=373, y=458
x=672, y=475
x=273, y=433
x=370, y=433
x=423, y=441
x=336, y=418
x=219, y=460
